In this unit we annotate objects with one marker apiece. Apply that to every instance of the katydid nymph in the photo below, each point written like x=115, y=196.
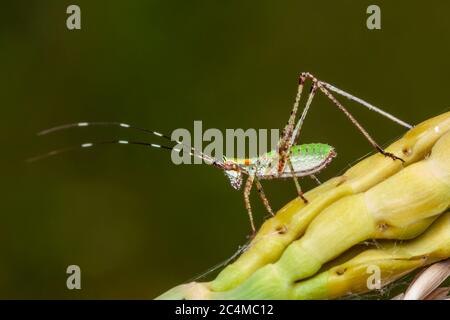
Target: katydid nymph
x=289, y=160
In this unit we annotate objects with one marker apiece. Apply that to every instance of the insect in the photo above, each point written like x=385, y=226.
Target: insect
x=289, y=160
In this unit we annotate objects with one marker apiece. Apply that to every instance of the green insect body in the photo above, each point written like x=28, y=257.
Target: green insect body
x=306, y=159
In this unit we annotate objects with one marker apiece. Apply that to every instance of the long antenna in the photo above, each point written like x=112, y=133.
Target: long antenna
x=105, y=142
x=127, y=126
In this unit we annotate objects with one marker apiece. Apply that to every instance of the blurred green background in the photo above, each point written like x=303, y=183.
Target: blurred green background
x=135, y=223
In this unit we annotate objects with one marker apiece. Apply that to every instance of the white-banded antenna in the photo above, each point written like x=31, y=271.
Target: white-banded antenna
x=193, y=152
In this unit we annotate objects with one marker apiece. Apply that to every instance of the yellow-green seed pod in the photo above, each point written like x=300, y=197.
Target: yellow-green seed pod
x=393, y=261
x=351, y=275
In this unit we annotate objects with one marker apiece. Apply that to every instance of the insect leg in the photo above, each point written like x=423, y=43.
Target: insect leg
x=263, y=196
x=285, y=141
x=323, y=88
x=366, y=104
x=247, y=190
x=299, y=124
x=297, y=184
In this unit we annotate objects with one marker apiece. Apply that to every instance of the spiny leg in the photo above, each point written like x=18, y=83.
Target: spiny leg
x=366, y=104
x=295, y=133
x=299, y=124
x=297, y=184
x=322, y=88
x=247, y=190
x=285, y=141
x=263, y=197
x=359, y=126
x=351, y=97
x=283, y=157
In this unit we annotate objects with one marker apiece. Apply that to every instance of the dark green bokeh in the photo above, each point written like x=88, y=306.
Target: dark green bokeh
x=135, y=223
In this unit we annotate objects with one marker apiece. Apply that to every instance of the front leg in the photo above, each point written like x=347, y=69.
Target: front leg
x=247, y=190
